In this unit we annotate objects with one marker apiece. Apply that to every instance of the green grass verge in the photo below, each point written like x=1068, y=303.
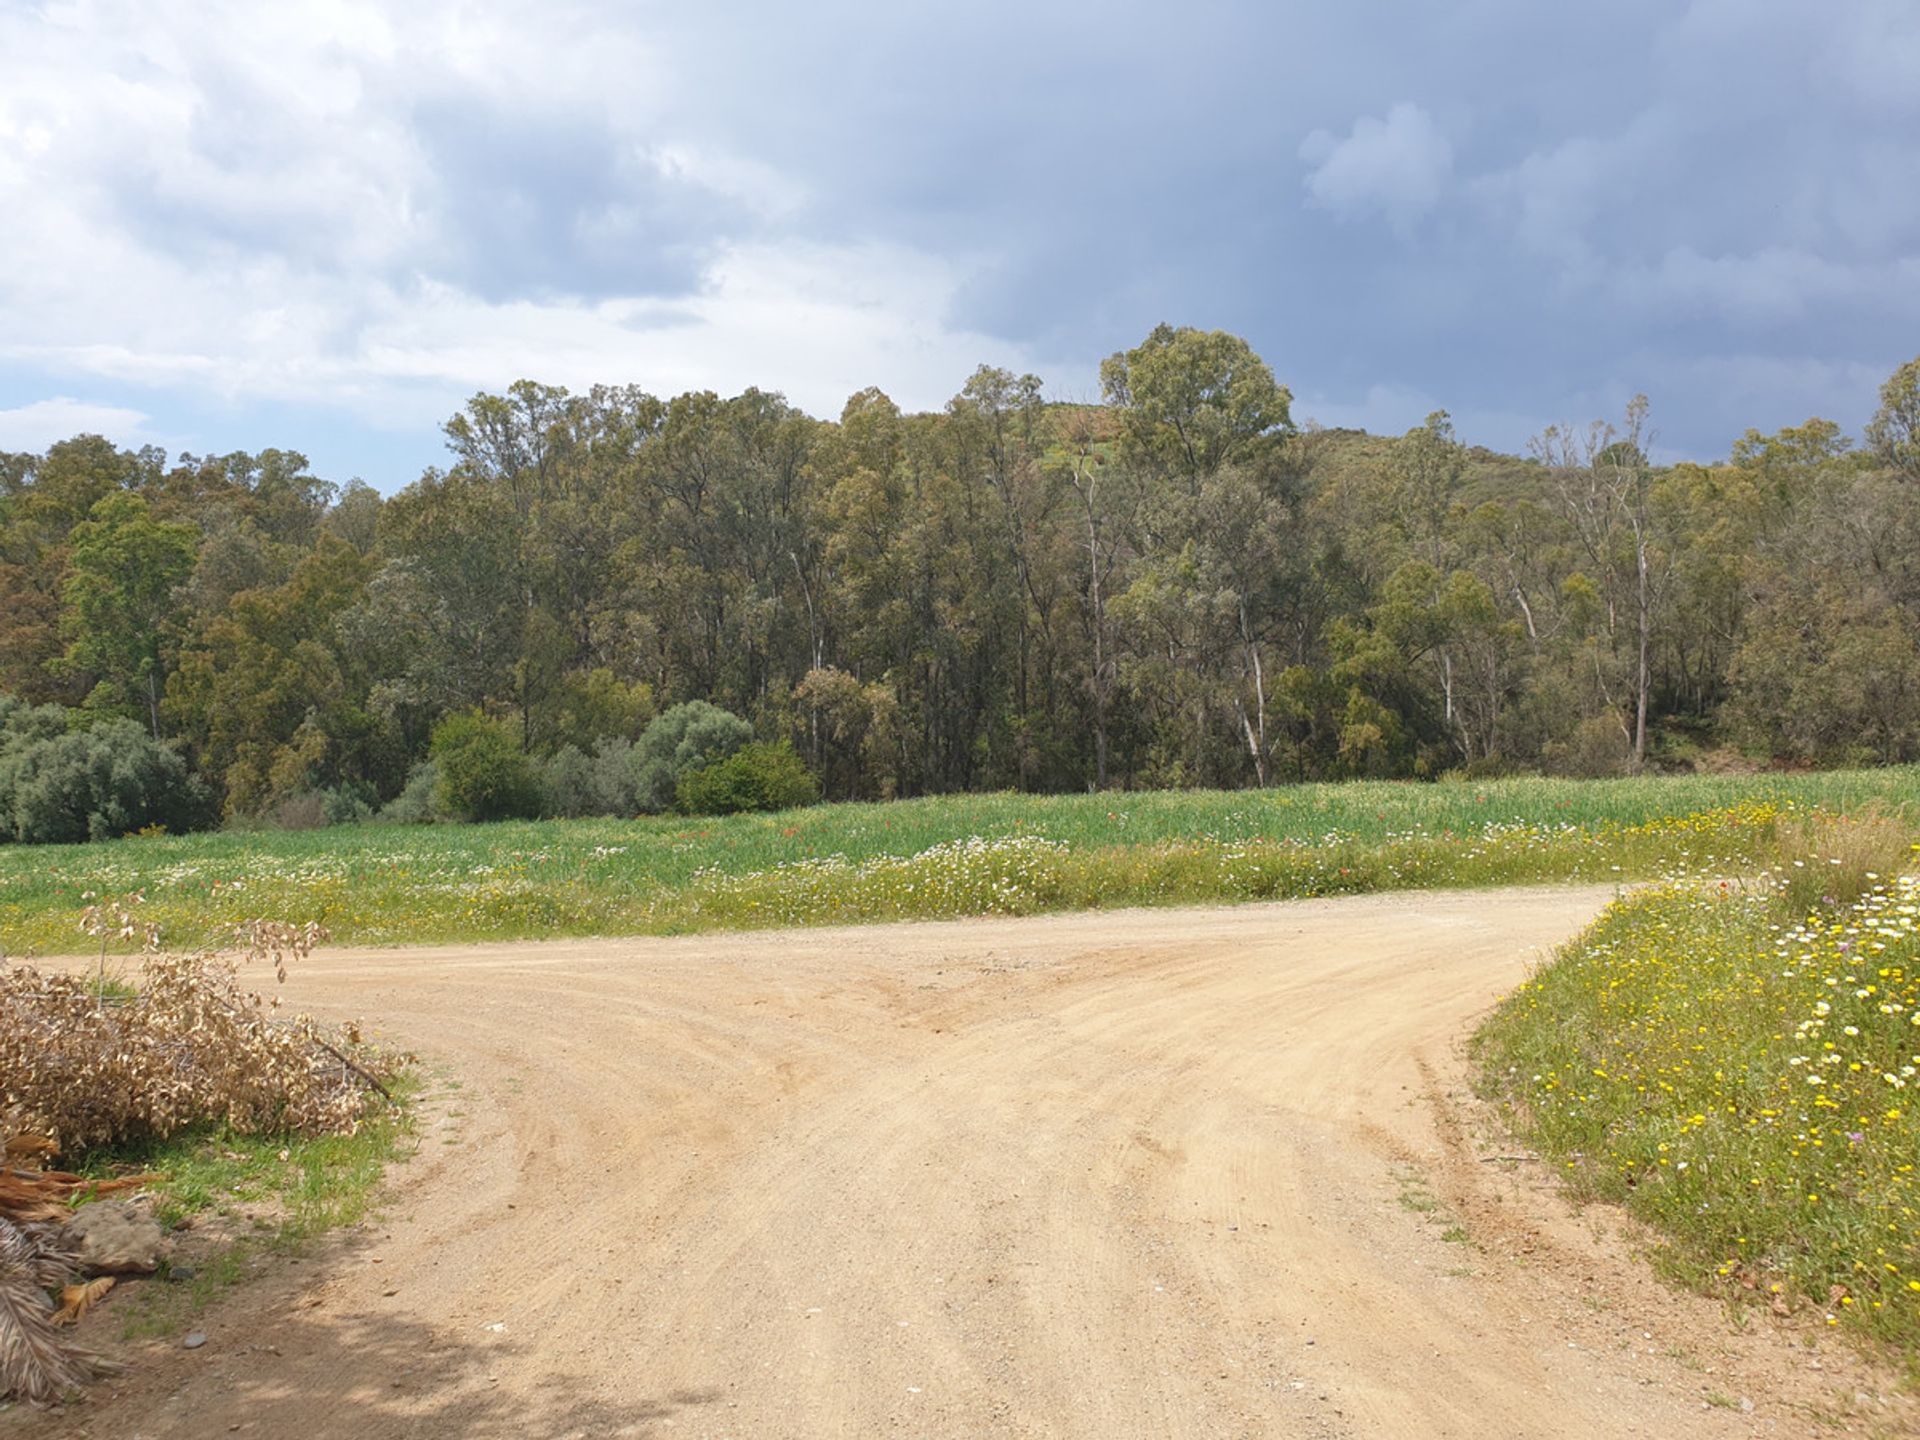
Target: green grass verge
x=267, y=1194
x=1742, y=1074
x=955, y=855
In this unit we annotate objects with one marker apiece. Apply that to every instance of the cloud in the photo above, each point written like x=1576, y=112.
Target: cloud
x=35, y=426
x=1768, y=286
x=820, y=321
x=337, y=203
x=287, y=221
x=1382, y=409
x=1399, y=166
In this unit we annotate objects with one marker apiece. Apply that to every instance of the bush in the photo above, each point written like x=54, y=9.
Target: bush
x=590, y=705
x=1597, y=748
x=613, y=780
x=21, y=722
x=686, y=738
x=305, y=811
x=567, y=777
x=95, y=784
x=579, y=785
x=349, y=803
x=184, y=1045
x=418, y=803
x=759, y=777
x=484, y=774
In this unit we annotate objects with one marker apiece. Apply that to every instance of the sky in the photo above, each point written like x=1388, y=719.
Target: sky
x=322, y=225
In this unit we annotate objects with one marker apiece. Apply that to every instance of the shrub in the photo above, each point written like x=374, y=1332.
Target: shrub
x=484, y=775
x=186, y=1044
x=684, y=739
x=418, y=803
x=593, y=704
x=21, y=723
x=578, y=785
x=758, y=777
x=1597, y=748
x=613, y=780
x=305, y=811
x=94, y=784
x=567, y=777
x=349, y=803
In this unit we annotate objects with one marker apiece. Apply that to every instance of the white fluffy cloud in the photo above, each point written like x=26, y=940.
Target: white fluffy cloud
x=1399, y=166
x=34, y=427
x=825, y=321
x=386, y=208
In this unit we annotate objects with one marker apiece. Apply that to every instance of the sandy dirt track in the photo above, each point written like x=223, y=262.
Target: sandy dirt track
x=1140, y=1174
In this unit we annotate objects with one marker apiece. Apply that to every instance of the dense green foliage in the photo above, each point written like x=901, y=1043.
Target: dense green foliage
x=483, y=774
x=93, y=783
x=944, y=855
x=683, y=740
x=1174, y=587
x=755, y=777
x=1734, y=1068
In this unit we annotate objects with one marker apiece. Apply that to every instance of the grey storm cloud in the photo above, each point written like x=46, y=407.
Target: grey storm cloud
x=1522, y=213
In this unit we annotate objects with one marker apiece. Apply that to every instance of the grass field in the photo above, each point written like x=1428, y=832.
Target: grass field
x=960, y=855
x=1736, y=1065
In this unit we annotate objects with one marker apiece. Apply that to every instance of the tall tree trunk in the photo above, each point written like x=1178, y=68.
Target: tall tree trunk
x=1644, y=676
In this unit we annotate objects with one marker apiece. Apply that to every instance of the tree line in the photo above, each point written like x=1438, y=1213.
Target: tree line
x=1177, y=586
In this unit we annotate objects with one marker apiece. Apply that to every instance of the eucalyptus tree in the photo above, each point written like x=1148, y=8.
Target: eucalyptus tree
x=1201, y=417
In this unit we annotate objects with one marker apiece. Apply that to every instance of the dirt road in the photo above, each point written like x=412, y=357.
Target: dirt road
x=1178, y=1173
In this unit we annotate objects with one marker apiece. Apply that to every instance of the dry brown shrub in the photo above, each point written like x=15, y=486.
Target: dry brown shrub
x=187, y=1044
x=85, y=1064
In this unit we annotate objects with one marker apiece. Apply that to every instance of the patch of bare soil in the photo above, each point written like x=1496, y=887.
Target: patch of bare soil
x=1171, y=1173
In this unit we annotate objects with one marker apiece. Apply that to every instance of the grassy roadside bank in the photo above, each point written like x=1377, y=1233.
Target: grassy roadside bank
x=956, y=855
x=229, y=1199
x=1737, y=1065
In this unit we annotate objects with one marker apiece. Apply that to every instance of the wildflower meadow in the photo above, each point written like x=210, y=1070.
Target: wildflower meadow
x=1741, y=1070
x=947, y=856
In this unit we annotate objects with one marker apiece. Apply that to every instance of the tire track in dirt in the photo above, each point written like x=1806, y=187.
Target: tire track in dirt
x=1131, y=1174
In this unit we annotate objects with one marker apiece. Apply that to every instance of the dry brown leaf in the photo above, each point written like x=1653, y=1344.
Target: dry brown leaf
x=76, y=1300
x=21, y=1148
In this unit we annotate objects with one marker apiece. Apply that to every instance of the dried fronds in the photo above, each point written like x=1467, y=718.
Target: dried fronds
x=35, y=1364
x=31, y=1195
x=26, y=1198
x=29, y=1147
x=76, y=1300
